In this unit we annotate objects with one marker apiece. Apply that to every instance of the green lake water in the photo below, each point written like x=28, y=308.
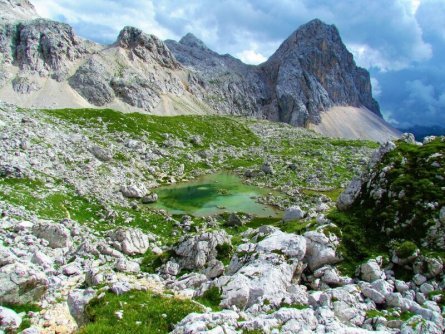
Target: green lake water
x=213, y=194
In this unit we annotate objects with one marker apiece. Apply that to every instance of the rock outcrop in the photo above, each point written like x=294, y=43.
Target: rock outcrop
x=15, y=10
x=309, y=73
x=402, y=191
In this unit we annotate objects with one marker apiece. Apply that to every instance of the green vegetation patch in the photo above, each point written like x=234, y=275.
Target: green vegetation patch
x=224, y=252
x=49, y=201
x=213, y=129
x=403, y=212
x=142, y=312
x=151, y=261
x=23, y=308
x=211, y=298
x=405, y=249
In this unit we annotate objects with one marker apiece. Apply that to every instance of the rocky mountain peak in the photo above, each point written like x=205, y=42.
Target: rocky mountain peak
x=15, y=10
x=313, y=35
x=146, y=47
x=314, y=66
x=192, y=41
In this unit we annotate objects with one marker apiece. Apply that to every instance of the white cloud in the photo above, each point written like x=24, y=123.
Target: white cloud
x=112, y=15
x=251, y=57
x=376, y=89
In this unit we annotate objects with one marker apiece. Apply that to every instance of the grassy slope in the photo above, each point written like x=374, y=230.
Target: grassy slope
x=142, y=312
x=403, y=218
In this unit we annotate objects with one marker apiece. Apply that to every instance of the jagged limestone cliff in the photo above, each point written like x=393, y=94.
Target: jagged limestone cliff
x=45, y=64
x=310, y=72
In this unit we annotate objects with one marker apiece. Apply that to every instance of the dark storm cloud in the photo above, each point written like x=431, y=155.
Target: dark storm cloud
x=401, y=42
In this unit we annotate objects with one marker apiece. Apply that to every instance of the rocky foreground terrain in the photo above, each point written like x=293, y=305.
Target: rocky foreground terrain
x=44, y=64
x=82, y=252
x=359, y=246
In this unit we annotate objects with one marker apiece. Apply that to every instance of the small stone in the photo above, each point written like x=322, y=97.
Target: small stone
x=71, y=270
x=119, y=314
x=267, y=168
x=133, y=191
x=442, y=215
x=419, y=279
x=101, y=153
x=234, y=220
x=150, y=198
x=293, y=213
x=120, y=288
x=124, y=265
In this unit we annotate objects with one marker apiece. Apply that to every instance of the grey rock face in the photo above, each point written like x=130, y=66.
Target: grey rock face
x=91, y=80
x=137, y=91
x=146, y=47
x=14, y=10
x=310, y=72
x=47, y=48
x=57, y=235
x=77, y=300
x=24, y=85
x=21, y=284
x=137, y=69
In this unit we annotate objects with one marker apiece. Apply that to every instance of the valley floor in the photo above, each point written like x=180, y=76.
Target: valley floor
x=83, y=251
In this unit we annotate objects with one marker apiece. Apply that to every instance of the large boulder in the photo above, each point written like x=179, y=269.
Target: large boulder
x=320, y=249
x=293, y=213
x=57, y=235
x=77, y=300
x=350, y=194
x=131, y=241
x=371, y=271
x=127, y=266
x=197, y=251
x=21, y=284
x=133, y=191
x=267, y=272
x=9, y=320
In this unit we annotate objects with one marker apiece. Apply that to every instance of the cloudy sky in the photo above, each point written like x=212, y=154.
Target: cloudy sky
x=401, y=42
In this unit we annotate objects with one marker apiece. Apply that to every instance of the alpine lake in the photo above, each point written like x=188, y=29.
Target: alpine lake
x=214, y=194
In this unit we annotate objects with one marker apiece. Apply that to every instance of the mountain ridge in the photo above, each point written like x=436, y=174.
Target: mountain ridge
x=311, y=72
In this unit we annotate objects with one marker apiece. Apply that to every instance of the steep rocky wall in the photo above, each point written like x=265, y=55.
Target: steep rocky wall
x=310, y=72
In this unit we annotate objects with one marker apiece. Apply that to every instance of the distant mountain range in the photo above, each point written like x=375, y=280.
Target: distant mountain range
x=44, y=64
